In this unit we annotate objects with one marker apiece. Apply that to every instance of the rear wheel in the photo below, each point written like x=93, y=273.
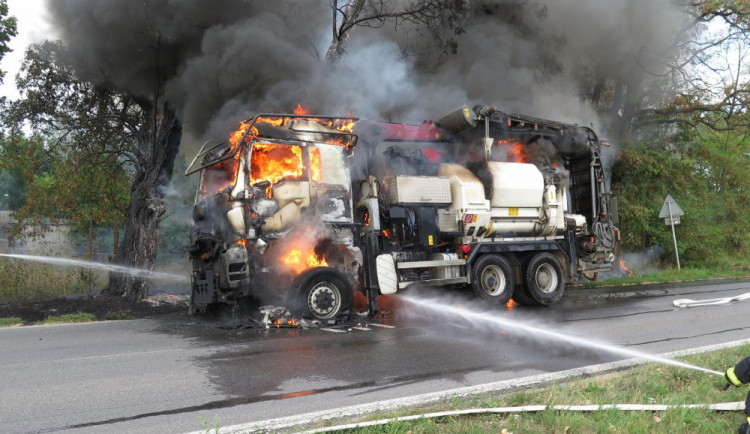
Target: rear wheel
x=544, y=281
x=492, y=280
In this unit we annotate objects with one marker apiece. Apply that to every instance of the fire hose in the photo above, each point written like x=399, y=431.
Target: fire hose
x=686, y=302
x=723, y=406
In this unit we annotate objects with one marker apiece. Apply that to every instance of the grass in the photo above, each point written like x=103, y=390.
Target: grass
x=33, y=281
x=11, y=321
x=648, y=384
x=726, y=268
x=69, y=318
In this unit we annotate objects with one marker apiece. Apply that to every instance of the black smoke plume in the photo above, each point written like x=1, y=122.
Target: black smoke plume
x=224, y=60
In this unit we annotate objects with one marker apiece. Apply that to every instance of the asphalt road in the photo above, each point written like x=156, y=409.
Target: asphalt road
x=164, y=375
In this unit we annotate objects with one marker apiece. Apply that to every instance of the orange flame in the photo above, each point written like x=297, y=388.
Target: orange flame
x=235, y=137
x=346, y=125
x=294, y=260
x=315, y=167
x=625, y=268
x=286, y=321
x=302, y=110
x=273, y=163
x=511, y=304
x=515, y=151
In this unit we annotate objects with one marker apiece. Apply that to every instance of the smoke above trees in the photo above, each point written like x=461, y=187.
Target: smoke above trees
x=575, y=61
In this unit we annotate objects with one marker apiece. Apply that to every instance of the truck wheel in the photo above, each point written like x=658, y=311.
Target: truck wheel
x=492, y=280
x=324, y=295
x=544, y=282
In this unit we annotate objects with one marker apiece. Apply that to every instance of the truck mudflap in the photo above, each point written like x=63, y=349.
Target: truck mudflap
x=387, y=275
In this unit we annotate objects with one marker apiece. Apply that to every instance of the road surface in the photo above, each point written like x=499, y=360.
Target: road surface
x=165, y=374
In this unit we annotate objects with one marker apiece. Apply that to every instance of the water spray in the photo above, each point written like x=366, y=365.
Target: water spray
x=515, y=325
x=137, y=272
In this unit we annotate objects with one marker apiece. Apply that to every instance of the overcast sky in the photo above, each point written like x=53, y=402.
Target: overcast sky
x=32, y=27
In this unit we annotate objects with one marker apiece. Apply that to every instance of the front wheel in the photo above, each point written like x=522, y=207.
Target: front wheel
x=492, y=280
x=544, y=281
x=324, y=295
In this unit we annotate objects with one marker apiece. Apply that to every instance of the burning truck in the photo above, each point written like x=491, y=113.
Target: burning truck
x=308, y=209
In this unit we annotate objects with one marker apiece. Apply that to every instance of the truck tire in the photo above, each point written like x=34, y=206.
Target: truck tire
x=492, y=280
x=544, y=282
x=322, y=294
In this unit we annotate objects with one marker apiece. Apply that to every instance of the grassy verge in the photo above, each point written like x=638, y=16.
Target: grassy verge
x=25, y=281
x=11, y=321
x=69, y=318
x=649, y=384
x=725, y=269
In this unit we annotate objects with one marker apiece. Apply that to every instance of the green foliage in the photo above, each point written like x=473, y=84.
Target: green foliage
x=211, y=426
x=69, y=318
x=8, y=29
x=86, y=188
x=11, y=321
x=708, y=173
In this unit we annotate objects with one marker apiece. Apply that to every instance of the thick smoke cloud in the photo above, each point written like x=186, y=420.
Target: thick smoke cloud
x=226, y=60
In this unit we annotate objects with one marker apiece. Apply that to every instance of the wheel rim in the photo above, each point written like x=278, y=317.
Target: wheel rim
x=493, y=280
x=546, y=278
x=324, y=300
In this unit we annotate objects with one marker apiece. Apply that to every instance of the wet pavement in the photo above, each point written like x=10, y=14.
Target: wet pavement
x=164, y=374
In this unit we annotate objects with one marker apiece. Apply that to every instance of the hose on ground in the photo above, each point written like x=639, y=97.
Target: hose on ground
x=686, y=302
x=723, y=406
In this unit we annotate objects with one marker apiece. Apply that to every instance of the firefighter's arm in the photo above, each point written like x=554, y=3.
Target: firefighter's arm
x=739, y=374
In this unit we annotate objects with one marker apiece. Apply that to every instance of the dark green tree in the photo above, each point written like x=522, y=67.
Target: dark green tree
x=7, y=30
x=140, y=134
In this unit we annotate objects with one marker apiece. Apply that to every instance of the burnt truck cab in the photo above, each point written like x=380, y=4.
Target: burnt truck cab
x=273, y=209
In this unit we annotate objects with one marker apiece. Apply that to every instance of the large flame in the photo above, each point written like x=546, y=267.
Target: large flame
x=235, y=137
x=315, y=165
x=298, y=260
x=272, y=163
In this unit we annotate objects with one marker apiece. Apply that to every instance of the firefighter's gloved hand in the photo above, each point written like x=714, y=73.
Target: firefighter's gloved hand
x=732, y=379
x=744, y=428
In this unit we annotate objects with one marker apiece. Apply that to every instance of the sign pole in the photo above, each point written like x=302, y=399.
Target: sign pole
x=674, y=237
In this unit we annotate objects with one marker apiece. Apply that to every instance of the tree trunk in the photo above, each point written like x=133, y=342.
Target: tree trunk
x=115, y=241
x=91, y=240
x=350, y=15
x=141, y=236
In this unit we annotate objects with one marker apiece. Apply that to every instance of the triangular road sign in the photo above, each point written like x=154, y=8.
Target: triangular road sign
x=669, y=202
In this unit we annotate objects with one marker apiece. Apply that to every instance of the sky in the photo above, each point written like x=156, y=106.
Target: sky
x=32, y=27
